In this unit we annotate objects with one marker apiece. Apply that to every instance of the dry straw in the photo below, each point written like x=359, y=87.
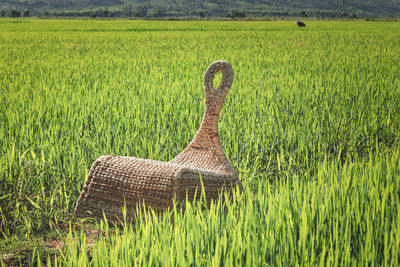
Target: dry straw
x=115, y=180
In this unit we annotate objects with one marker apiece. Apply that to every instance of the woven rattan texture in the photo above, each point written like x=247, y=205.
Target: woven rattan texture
x=115, y=180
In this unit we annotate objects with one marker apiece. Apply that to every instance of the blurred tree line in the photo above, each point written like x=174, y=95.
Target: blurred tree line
x=198, y=8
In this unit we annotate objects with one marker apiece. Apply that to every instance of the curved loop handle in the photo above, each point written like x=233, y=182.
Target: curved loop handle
x=205, y=151
x=217, y=96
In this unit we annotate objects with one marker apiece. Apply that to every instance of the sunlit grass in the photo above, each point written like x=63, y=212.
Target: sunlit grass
x=305, y=105
x=347, y=215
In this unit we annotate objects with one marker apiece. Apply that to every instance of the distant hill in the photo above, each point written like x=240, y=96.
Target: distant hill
x=197, y=8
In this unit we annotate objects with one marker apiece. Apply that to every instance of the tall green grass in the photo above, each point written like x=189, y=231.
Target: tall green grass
x=72, y=90
x=346, y=216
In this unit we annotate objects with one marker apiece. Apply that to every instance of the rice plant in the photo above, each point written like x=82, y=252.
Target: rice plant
x=311, y=125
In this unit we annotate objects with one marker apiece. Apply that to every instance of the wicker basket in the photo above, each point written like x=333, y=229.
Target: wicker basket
x=115, y=180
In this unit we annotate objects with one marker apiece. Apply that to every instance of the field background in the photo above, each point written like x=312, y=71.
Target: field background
x=311, y=125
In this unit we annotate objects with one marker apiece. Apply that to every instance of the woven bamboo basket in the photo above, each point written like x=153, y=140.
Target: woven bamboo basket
x=115, y=180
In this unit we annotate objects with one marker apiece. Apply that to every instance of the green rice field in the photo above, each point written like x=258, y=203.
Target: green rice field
x=311, y=125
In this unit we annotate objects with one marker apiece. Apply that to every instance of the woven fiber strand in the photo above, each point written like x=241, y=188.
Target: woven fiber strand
x=115, y=180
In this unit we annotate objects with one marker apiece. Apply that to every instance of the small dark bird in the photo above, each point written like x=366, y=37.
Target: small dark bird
x=300, y=23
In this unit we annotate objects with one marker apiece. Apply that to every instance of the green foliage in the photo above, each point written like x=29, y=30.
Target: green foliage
x=214, y=8
x=26, y=13
x=15, y=13
x=346, y=216
x=236, y=14
x=311, y=125
x=303, y=14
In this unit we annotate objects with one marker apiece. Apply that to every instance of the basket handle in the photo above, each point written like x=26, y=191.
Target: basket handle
x=205, y=151
x=214, y=98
